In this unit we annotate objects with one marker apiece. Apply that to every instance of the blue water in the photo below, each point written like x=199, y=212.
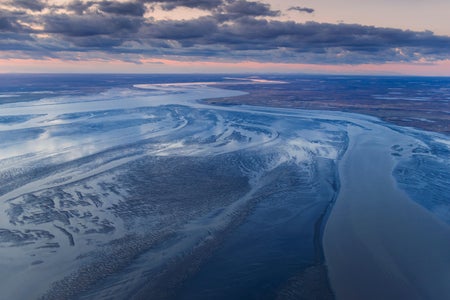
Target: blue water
x=280, y=236
x=274, y=244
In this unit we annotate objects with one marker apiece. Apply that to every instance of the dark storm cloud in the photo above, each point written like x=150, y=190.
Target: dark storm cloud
x=35, y=5
x=233, y=30
x=78, y=6
x=90, y=25
x=249, y=8
x=302, y=9
x=130, y=8
x=7, y=23
x=122, y=8
x=11, y=21
x=99, y=43
x=172, y=4
x=307, y=42
x=198, y=29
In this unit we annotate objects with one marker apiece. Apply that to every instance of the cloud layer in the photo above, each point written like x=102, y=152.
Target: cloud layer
x=228, y=30
x=302, y=9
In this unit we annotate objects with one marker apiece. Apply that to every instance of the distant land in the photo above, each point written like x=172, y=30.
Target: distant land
x=420, y=102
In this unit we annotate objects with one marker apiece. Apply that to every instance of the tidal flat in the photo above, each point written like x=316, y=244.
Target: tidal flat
x=132, y=187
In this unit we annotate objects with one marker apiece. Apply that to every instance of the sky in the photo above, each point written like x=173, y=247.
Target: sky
x=409, y=37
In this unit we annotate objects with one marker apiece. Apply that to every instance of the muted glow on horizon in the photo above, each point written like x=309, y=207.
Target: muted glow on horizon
x=441, y=68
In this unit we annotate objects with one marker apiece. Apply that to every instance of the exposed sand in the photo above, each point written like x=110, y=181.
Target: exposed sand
x=378, y=243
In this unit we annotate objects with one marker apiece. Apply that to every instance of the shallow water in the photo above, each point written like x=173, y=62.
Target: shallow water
x=115, y=190
x=274, y=244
